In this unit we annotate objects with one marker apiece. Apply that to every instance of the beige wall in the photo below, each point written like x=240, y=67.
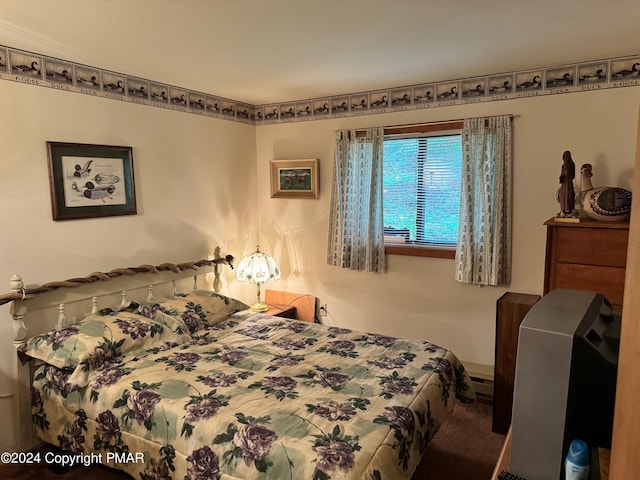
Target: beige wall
x=195, y=185
x=418, y=297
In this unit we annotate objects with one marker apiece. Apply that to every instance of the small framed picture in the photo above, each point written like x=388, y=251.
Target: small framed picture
x=89, y=181
x=294, y=178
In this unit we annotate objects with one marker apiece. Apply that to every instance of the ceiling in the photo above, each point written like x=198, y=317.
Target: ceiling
x=270, y=51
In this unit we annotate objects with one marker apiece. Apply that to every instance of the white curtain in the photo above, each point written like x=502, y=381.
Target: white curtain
x=483, y=255
x=356, y=232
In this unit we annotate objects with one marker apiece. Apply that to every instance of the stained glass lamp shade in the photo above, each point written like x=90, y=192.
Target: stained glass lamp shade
x=258, y=268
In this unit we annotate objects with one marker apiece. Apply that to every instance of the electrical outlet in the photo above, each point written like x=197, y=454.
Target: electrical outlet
x=323, y=310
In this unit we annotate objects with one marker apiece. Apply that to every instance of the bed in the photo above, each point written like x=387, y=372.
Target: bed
x=196, y=386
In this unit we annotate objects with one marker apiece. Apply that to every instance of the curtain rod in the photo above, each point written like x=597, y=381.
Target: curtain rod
x=443, y=122
x=439, y=122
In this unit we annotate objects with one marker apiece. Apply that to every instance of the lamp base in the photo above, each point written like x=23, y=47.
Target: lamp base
x=259, y=307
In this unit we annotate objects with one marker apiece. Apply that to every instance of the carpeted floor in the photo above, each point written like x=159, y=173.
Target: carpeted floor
x=464, y=448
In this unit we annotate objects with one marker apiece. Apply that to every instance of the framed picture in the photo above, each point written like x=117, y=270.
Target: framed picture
x=89, y=181
x=294, y=178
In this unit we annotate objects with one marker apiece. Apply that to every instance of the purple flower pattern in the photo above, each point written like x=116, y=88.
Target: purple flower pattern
x=204, y=464
x=281, y=383
x=58, y=380
x=108, y=432
x=382, y=341
x=296, y=327
x=107, y=377
x=142, y=403
x=181, y=361
x=287, y=360
x=339, y=331
x=396, y=385
x=150, y=311
x=402, y=419
x=334, y=456
x=103, y=356
x=342, y=348
x=256, y=331
x=201, y=409
x=38, y=416
x=36, y=400
x=254, y=441
x=446, y=374
x=280, y=387
x=201, y=340
x=193, y=321
x=72, y=437
x=402, y=422
x=233, y=356
x=133, y=327
x=57, y=337
x=332, y=379
x=157, y=470
x=185, y=358
x=389, y=363
x=219, y=380
x=335, y=411
x=293, y=345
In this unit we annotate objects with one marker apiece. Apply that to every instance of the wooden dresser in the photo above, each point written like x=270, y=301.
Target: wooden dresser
x=588, y=255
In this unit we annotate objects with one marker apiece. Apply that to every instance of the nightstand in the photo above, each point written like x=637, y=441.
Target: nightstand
x=285, y=311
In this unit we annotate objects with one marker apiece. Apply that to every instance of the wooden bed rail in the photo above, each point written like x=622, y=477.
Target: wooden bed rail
x=19, y=292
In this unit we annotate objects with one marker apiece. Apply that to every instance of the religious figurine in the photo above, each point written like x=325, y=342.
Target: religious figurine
x=567, y=194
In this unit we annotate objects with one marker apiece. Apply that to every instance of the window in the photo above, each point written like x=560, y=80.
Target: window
x=422, y=181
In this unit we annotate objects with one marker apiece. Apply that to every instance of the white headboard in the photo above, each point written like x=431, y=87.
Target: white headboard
x=38, y=309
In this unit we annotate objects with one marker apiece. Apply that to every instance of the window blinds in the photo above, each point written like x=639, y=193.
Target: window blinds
x=422, y=178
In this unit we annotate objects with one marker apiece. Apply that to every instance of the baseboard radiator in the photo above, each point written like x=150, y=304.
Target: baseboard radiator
x=481, y=378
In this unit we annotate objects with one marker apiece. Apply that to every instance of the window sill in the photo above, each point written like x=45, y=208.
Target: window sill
x=420, y=251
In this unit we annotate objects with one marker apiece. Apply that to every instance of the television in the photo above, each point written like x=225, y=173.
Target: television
x=565, y=382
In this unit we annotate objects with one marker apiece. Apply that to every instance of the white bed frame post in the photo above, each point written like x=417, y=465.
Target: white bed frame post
x=216, y=272
x=17, y=311
x=46, y=306
x=22, y=425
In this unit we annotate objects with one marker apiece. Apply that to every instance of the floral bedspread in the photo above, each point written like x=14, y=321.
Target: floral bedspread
x=257, y=397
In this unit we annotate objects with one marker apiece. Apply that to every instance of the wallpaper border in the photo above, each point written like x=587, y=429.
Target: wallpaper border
x=43, y=71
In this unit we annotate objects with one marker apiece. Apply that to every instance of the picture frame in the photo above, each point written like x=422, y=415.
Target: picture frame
x=294, y=178
x=88, y=181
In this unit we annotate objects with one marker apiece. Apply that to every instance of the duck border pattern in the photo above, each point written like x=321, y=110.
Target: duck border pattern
x=40, y=70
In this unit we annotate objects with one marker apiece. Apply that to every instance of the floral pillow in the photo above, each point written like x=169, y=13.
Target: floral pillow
x=199, y=309
x=99, y=339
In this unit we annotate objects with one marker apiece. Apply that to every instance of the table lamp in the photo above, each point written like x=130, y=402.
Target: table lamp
x=258, y=268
